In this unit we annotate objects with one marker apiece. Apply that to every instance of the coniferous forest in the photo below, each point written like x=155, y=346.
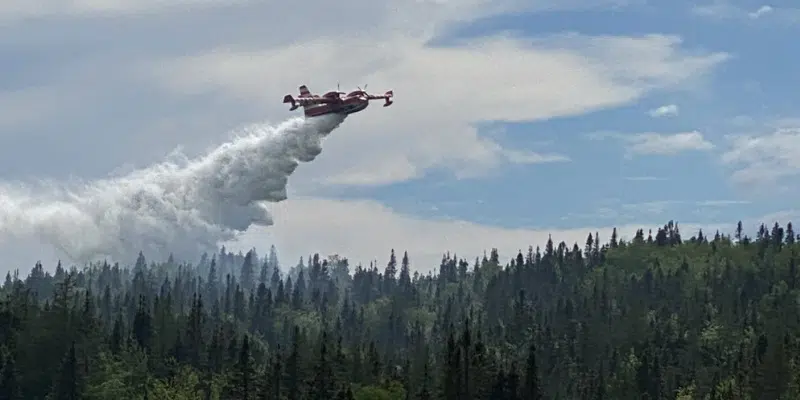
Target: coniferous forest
x=662, y=316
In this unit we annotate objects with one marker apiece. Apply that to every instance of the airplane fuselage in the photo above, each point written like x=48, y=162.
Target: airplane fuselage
x=348, y=105
x=333, y=102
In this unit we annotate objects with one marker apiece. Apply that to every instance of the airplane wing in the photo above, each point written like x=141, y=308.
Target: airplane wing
x=386, y=96
x=307, y=101
x=303, y=101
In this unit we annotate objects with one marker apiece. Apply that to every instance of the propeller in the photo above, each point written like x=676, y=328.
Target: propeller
x=363, y=91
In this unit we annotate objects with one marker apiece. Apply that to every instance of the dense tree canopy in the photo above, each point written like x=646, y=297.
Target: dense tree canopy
x=656, y=317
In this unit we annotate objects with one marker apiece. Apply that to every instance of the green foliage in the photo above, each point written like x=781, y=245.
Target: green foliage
x=393, y=391
x=658, y=317
x=185, y=385
x=122, y=377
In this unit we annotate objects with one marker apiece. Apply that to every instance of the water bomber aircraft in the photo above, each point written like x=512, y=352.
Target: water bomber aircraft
x=333, y=102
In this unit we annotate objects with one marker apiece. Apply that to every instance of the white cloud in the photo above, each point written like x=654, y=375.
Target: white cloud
x=648, y=210
x=721, y=203
x=717, y=9
x=669, y=110
x=19, y=9
x=662, y=206
x=18, y=108
x=658, y=207
x=763, y=10
x=440, y=92
x=364, y=230
x=764, y=159
x=668, y=144
x=394, y=169
x=529, y=157
x=650, y=143
x=725, y=10
x=599, y=213
x=432, y=123
x=784, y=123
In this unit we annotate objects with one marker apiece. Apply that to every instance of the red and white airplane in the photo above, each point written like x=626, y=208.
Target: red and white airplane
x=333, y=102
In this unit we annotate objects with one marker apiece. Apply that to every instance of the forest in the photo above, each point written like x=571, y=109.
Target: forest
x=658, y=316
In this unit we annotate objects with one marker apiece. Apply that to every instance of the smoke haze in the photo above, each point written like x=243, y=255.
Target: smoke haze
x=178, y=206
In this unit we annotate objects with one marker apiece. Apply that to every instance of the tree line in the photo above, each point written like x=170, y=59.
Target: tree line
x=657, y=317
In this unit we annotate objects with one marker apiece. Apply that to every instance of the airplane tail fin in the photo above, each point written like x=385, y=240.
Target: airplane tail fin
x=289, y=99
x=304, y=91
x=389, y=94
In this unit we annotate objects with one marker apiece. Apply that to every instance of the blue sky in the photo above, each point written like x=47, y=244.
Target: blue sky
x=691, y=186
x=512, y=121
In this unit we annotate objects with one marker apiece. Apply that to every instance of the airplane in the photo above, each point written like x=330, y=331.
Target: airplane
x=333, y=102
